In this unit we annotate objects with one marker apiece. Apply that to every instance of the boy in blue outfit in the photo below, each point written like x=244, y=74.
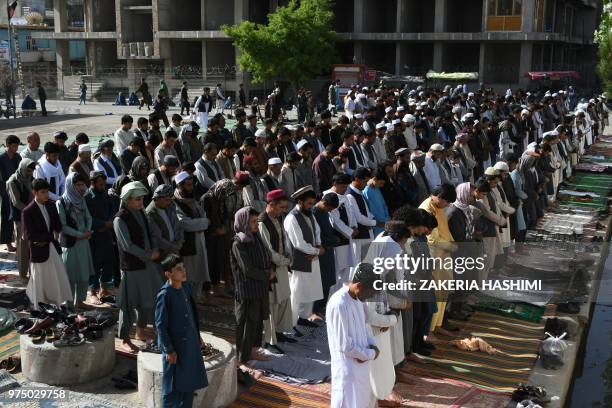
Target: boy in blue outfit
x=178, y=335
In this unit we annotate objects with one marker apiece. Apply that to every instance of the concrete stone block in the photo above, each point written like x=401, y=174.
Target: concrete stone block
x=47, y=364
x=221, y=373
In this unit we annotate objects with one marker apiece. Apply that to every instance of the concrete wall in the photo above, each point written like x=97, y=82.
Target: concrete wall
x=217, y=13
x=502, y=63
x=417, y=58
x=186, y=53
x=460, y=57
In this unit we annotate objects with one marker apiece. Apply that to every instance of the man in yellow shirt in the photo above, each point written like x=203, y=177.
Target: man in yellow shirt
x=442, y=246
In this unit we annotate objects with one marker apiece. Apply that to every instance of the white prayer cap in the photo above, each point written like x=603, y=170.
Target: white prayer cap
x=416, y=154
x=422, y=93
x=390, y=127
x=365, y=89
x=436, y=147
x=84, y=148
x=550, y=133
x=502, y=166
x=388, y=109
x=395, y=122
x=470, y=94
x=400, y=108
x=408, y=118
x=274, y=160
x=547, y=93
x=182, y=176
x=508, y=92
x=419, y=107
x=358, y=116
x=396, y=93
x=360, y=96
x=381, y=125
x=260, y=133
x=467, y=116
x=555, y=95
x=302, y=143
x=525, y=112
x=531, y=147
x=456, y=109
x=491, y=171
x=411, y=101
x=591, y=100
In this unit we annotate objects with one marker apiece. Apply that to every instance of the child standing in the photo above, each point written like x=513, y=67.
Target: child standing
x=179, y=340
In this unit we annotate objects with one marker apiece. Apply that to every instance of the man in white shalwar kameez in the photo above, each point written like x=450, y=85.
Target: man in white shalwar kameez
x=305, y=237
x=50, y=169
x=345, y=226
x=275, y=239
x=351, y=348
x=202, y=108
x=361, y=213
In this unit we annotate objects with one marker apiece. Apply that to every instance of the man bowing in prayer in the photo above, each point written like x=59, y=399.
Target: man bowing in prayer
x=350, y=346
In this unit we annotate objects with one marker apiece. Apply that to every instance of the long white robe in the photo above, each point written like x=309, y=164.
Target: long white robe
x=349, y=341
x=343, y=259
x=48, y=280
x=360, y=245
x=306, y=287
x=382, y=372
x=201, y=117
x=385, y=247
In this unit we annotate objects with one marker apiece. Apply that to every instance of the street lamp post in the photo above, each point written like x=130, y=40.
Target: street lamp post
x=11, y=7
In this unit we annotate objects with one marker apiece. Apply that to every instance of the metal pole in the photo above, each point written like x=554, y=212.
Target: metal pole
x=10, y=38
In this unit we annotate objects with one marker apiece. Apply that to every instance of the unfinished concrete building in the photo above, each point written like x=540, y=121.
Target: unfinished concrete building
x=180, y=40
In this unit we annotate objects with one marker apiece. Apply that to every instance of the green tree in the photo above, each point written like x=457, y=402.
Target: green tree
x=603, y=38
x=297, y=43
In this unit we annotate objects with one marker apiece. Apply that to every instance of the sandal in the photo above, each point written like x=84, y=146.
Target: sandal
x=50, y=334
x=38, y=336
x=13, y=364
x=150, y=347
x=23, y=324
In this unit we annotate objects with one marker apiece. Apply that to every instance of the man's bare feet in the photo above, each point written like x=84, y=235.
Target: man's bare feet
x=256, y=374
x=93, y=299
x=258, y=355
x=129, y=347
x=393, y=400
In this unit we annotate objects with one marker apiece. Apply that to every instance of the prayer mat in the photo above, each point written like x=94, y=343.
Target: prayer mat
x=305, y=362
x=9, y=344
x=269, y=393
x=517, y=340
x=427, y=392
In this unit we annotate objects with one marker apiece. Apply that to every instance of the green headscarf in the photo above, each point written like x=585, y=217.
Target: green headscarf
x=133, y=189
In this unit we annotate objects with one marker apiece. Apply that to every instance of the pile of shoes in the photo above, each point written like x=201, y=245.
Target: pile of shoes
x=63, y=327
x=209, y=352
x=530, y=396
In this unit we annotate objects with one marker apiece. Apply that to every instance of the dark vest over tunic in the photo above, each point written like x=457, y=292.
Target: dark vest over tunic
x=300, y=262
x=127, y=261
x=364, y=231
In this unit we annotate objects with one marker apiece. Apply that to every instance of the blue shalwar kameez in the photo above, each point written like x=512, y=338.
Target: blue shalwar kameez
x=176, y=321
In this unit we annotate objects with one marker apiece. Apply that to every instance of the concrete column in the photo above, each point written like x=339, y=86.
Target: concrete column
x=132, y=66
x=88, y=11
x=525, y=62
x=358, y=16
x=485, y=11
x=90, y=57
x=440, y=16
x=402, y=11
x=204, y=64
x=241, y=10
x=438, y=52
x=481, y=63
x=62, y=61
x=528, y=17
x=60, y=16
x=553, y=29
